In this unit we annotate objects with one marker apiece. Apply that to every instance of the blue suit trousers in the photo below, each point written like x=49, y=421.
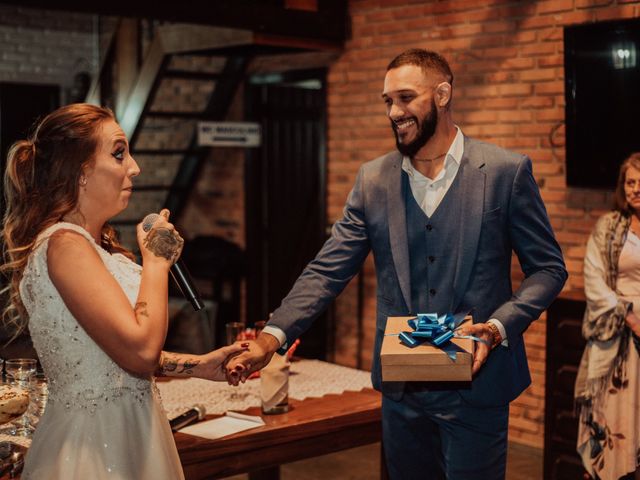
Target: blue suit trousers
x=438, y=435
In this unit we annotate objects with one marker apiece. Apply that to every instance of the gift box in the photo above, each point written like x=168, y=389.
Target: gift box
x=424, y=362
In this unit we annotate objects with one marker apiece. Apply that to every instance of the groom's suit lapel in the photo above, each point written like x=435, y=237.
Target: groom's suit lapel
x=472, y=185
x=397, y=216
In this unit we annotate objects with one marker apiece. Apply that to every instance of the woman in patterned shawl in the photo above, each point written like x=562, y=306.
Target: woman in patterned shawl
x=608, y=384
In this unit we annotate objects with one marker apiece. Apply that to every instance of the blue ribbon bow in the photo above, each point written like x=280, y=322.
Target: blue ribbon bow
x=437, y=330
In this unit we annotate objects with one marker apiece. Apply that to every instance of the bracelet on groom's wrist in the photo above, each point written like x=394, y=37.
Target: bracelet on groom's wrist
x=497, y=337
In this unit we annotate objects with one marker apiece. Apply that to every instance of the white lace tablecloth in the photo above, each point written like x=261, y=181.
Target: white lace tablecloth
x=308, y=378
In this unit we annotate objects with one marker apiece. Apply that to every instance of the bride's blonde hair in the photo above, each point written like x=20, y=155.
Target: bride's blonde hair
x=41, y=185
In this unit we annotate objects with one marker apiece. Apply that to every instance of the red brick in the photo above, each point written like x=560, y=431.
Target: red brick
x=553, y=6
x=550, y=114
x=452, y=6
x=536, y=22
x=515, y=116
x=592, y=3
x=499, y=26
x=546, y=48
x=538, y=75
x=576, y=17
x=556, y=182
x=480, y=91
x=518, y=63
x=488, y=41
x=481, y=116
x=500, y=52
x=459, y=18
x=552, y=60
x=379, y=16
x=535, y=130
x=622, y=11
x=553, y=196
x=516, y=143
x=583, y=226
x=570, y=238
x=514, y=10
x=516, y=89
x=551, y=34
x=580, y=250
x=504, y=76
x=410, y=12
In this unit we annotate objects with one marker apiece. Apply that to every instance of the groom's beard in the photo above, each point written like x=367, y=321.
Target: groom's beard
x=426, y=130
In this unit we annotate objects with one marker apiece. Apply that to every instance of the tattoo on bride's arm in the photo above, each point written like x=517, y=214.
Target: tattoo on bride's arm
x=164, y=243
x=141, y=309
x=174, y=365
x=168, y=365
x=188, y=366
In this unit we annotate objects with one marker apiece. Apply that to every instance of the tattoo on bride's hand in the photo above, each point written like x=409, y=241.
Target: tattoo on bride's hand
x=163, y=242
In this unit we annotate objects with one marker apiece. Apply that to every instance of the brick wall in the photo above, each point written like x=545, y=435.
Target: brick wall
x=507, y=59
x=46, y=47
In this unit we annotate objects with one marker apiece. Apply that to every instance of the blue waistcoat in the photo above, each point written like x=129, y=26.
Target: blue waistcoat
x=432, y=249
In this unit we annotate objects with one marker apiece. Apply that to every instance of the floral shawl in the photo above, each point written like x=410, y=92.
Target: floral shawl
x=604, y=320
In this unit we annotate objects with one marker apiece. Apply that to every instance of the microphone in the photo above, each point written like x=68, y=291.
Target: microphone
x=179, y=271
x=197, y=412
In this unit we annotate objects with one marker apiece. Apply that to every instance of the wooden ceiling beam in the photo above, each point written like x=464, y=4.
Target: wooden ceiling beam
x=270, y=17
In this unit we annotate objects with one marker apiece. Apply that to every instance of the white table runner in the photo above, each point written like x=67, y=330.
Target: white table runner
x=308, y=378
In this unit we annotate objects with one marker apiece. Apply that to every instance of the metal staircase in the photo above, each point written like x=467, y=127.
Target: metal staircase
x=190, y=73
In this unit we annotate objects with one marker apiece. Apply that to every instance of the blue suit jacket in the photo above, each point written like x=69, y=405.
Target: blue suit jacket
x=501, y=212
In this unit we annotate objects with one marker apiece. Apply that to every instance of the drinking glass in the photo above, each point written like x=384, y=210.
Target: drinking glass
x=19, y=372
x=233, y=330
x=39, y=395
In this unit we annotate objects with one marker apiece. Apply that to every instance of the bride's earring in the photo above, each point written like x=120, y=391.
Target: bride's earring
x=83, y=181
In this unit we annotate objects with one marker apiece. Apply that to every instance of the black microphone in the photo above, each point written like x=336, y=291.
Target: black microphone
x=179, y=271
x=187, y=418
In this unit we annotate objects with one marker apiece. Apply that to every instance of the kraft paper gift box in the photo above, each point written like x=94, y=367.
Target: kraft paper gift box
x=424, y=362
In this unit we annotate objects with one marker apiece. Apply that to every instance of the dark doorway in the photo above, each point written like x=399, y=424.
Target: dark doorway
x=20, y=106
x=285, y=194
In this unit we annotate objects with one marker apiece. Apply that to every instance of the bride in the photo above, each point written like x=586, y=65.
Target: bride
x=97, y=319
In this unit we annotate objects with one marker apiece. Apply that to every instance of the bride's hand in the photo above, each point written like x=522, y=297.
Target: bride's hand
x=162, y=243
x=214, y=367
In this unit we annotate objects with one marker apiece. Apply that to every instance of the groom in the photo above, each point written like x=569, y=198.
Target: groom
x=442, y=216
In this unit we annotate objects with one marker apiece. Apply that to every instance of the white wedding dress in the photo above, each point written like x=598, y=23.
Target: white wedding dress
x=100, y=422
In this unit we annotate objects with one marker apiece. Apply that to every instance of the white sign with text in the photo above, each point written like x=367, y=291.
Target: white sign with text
x=229, y=134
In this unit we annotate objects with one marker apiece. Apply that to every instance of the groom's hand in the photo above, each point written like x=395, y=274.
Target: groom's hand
x=482, y=350
x=257, y=356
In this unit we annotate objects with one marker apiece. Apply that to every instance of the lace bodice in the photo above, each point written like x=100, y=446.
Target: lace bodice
x=81, y=375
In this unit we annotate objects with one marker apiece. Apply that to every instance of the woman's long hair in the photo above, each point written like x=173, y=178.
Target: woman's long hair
x=621, y=204
x=41, y=185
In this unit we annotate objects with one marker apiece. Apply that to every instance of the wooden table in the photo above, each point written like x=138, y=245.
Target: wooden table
x=312, y=427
